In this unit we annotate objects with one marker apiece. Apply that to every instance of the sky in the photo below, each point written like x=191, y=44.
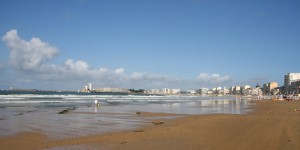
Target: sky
x=148, y=44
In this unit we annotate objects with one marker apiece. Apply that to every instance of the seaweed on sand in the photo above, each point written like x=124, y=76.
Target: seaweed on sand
x=24, y=112
x=66, y=110
x=157, y=122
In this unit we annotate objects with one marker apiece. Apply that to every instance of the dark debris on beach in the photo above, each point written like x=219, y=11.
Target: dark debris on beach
x=66, y=110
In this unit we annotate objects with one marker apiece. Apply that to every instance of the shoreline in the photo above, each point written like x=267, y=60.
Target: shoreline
x=271, y=125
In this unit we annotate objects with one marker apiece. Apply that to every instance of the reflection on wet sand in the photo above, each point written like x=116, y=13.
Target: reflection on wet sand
x=90, y=118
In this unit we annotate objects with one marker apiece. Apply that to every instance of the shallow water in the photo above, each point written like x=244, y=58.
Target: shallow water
x=39, y=113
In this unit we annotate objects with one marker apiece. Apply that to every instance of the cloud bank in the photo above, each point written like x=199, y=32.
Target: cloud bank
x=27, y=55
x=213, y=78
x=33, y=59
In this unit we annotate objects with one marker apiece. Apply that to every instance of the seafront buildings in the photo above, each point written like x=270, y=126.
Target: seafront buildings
x=295, y=87
x=291, y=86
x=289, y=79
x=270, y=88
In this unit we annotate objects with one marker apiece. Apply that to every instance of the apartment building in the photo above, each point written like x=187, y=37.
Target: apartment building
x=288, y=79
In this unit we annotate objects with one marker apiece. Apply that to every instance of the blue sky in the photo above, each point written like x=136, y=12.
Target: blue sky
x=147, y=44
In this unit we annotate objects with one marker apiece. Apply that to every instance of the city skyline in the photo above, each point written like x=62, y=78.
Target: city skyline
x=63, y=45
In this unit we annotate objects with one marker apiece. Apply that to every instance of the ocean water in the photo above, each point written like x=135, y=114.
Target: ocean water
x=39, y=112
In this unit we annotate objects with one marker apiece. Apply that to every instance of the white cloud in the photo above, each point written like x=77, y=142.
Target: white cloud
x=119, y=71
x=27, y=55
x=33, y=58
x=76, y=67
x=213, y=78
x=136, y=76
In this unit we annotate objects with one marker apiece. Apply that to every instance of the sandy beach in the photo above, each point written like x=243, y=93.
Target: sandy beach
x=272, y=125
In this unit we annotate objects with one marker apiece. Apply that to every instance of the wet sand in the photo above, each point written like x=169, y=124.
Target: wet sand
x=272, y=125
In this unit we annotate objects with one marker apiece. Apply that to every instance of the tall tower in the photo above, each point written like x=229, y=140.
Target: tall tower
x=90, y=86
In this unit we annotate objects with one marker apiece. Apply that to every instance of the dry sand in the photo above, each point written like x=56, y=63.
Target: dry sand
x=272, y=125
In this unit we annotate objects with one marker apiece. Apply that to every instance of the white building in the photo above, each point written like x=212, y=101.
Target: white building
x=175, y=91
x=225, y=91
x=219, y=88
x=170, y=91
x=237, y=90
x=244, y=89
x=109, y=89
x=295, y=87
x=288, y=79
x=231, y=89
x=257, y=91
x=166, y=91
x=154, y=91
x=202, y=91
x=90, y=86
x=191, y=91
